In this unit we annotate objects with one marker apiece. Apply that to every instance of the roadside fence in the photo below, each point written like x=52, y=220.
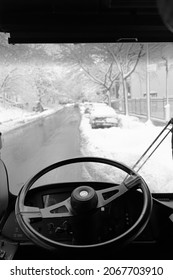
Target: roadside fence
x=138, y=107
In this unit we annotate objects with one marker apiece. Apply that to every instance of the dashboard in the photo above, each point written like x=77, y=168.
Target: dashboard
x=111, y=220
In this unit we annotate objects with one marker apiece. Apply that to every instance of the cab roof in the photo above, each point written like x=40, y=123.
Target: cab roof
x=66, y=21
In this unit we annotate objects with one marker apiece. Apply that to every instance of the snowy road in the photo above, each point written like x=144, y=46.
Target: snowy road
x=31, y=148
x=57, y=137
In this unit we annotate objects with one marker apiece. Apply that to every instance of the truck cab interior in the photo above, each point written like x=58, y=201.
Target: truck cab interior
x=89, y=219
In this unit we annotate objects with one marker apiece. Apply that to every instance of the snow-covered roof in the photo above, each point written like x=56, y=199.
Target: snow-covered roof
x=102, y=110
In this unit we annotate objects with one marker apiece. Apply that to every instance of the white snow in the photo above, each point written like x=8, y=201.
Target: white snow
x=102, y=110
x=11, y=118
x=126, y=144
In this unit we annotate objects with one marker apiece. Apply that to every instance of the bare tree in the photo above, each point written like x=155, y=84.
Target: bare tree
x=4, y=87
x=106, y=64
x=91, y=60
x=126, y=57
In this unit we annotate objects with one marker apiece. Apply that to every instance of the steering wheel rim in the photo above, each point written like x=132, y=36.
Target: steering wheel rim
x=122, y=239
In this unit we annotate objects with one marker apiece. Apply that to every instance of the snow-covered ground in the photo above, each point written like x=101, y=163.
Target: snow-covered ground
x=126, y=144
x=12, y=118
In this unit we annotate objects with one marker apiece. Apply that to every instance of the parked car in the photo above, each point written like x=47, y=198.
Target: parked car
x=103, y=116
x=76, y=105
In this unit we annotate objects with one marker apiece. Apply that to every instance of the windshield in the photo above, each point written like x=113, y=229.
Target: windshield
x=59, y=101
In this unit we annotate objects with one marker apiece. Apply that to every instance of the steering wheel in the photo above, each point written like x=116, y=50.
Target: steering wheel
x=82, y=205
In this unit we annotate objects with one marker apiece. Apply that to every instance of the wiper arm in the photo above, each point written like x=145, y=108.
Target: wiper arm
x=157, y=138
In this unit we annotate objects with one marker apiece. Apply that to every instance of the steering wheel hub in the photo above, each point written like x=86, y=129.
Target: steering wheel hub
x=83, y=199
x=84, y=193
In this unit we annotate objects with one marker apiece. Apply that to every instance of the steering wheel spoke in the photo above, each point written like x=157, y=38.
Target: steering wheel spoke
x=108, y=195
x=58, y=210
x=31, y=212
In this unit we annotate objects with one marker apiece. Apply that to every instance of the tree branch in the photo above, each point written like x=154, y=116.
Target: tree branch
x=91, y=76
x=135, y=64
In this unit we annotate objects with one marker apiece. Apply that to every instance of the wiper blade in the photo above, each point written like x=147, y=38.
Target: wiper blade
x=152, y=144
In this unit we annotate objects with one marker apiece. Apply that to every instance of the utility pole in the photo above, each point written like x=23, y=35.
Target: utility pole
x=167, y=101
x=0, y=143
x=148, y=87
x=167, y=106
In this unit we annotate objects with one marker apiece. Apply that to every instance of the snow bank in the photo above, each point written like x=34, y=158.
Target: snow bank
x=12, y=118
x=126, y=144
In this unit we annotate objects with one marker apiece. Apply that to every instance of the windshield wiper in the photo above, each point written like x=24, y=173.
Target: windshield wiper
x=157, y=145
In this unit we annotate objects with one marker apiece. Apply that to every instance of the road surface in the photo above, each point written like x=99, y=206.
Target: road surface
x=29, y=149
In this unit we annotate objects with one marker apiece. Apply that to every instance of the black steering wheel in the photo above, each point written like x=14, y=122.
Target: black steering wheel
x=82, y=205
